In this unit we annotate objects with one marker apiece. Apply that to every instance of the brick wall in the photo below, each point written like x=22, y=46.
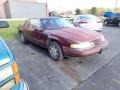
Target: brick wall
x=2, y=2
x=2, y=10
x=20, y=9
x=27, y=10
x=32, y=1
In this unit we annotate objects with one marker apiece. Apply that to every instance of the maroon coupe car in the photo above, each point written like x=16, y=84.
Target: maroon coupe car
x=61, y=38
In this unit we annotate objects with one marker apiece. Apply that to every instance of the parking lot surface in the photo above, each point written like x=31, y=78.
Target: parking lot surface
x=42, y=73
x=107, y=78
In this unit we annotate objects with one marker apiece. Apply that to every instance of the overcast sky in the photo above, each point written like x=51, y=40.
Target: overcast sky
x=63, y=5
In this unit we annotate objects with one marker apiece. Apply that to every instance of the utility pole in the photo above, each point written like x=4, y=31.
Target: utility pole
x=116, y=1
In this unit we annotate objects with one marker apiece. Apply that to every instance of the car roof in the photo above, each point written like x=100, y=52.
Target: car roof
x=5, y=53
x=45, y=18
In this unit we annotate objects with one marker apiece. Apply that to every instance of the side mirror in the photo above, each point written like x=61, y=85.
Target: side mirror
x=4, y=24
x=38, y=29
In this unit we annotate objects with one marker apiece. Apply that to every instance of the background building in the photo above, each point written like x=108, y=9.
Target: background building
x=22, y=9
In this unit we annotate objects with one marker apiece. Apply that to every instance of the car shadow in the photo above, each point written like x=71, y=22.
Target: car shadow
x=43, y=51
x=39, y=49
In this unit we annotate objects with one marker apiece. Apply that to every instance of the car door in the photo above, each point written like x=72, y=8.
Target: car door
x=114, y=19
x=38, y=35
x=117, y=18
x=27, y=29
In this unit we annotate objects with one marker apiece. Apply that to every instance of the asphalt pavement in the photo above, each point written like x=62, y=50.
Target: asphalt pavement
x=97, y=72
x=107, y=77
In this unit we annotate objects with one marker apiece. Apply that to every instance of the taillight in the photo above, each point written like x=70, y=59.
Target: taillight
x=83, y=22
x=16, y=72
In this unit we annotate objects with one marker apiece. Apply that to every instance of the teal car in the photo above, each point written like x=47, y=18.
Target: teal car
x=9, y=72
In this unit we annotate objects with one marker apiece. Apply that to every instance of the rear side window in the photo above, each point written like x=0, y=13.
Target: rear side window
x=87, y=17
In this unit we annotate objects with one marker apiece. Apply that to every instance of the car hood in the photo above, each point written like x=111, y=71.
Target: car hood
x=76, y=34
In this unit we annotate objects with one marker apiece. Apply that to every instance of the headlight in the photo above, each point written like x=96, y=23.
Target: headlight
x=9, y=71
x=5, y=73
x=8, y=85
x=82, y=46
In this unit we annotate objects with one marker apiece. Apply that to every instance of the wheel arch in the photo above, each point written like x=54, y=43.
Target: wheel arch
x=51, y=39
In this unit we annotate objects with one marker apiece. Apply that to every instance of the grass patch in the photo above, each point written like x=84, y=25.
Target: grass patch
x=11, y=32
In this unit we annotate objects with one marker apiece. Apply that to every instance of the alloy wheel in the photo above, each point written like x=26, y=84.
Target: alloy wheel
x=22, y=39
x=55, y=51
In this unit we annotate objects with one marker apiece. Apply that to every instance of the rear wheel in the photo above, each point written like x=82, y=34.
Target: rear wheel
x=55, y=51
x=22, y=38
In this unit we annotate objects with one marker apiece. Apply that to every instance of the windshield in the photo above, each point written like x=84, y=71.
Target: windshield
x=87, y=17
x=116, y=14
x=55, y=23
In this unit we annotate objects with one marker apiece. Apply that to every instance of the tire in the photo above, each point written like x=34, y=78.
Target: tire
x=118, y=24
x=55, y=51
x=106, y=23
x=22, y=38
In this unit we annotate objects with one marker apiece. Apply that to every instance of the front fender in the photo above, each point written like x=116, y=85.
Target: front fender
x=63, y=42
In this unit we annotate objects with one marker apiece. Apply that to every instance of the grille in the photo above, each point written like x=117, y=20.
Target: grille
x=97, y=42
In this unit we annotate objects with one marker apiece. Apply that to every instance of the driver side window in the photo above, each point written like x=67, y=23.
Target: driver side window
x=36, y=23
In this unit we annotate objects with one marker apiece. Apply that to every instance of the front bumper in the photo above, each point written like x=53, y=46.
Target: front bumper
x=21, y=86
x=78, y=53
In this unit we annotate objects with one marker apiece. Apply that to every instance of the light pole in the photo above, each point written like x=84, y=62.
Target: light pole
x=116, y=4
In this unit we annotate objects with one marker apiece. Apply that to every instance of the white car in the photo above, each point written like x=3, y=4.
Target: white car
x=88, y=21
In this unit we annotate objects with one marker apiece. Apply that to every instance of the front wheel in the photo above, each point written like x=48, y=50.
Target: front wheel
x=55, y=51
x=22, y=38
